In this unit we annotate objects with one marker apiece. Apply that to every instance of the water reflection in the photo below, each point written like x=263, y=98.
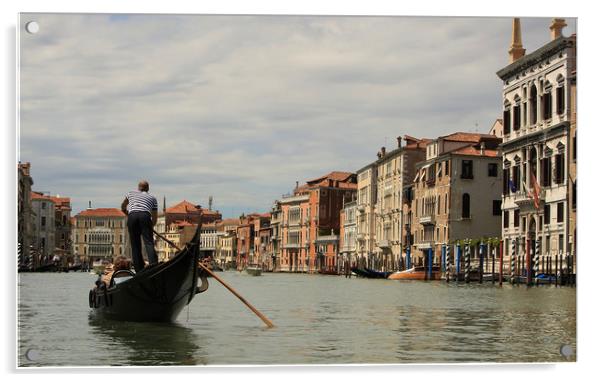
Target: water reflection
x=142, y=343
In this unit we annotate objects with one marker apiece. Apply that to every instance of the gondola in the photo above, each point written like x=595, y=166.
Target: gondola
x=155, y=294
x=370, y=273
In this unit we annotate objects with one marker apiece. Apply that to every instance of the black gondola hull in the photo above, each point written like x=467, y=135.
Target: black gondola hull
x=156, y=294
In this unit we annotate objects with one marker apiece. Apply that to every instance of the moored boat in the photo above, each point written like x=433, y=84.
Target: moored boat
x=157, y=293
x=416, y=273
x=370, y=273
x=254, y=270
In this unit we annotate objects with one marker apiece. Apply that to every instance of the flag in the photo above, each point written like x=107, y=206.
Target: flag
x=511, y=185
x=536, y=190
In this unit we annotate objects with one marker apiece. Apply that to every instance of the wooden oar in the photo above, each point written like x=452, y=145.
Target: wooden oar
x=241, y=298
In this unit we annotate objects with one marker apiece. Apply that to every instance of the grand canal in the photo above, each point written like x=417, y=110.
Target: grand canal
x=319, y=320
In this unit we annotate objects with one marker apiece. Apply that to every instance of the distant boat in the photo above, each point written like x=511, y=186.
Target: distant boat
x=416, y=273
x=254, y=270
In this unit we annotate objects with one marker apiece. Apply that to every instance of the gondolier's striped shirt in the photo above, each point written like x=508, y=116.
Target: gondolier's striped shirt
x=141, y=201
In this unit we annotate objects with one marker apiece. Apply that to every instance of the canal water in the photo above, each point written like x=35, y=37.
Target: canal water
x=319, y=320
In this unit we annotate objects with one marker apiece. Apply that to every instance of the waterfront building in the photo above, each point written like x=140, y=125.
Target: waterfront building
x=366, y=201
x=245, y=239
x=101, y=234
x=380, y=203
x=25, y=230
x=276, y=236
x=62, y=235
x=573, y=168
x=208, y=239
x=161, y=247
x=295, y=233
x=172, y=221
x=226, y=246
x=348, y=235
x=262, y=240
x=394, y=170
x=321, y=217
x=456, y=193
x=310, y=220
x=179, y=232
x=538, y=105
x=43, y=228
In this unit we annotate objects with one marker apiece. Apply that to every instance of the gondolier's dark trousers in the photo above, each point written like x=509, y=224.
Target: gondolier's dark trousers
x=140, y=224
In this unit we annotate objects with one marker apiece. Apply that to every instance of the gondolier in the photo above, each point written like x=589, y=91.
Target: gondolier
x=141, y=209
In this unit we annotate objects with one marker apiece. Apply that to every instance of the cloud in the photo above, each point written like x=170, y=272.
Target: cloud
x=241, y=107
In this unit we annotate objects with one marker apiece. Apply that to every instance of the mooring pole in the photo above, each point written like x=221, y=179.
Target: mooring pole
x=481, y=254
x=458, y=261
x=467, y=262
x=513, y=262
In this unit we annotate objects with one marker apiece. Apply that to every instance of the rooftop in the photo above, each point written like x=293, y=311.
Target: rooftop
x=40, y=196
x=101, y=212
x=468, y=137
x=471, y=150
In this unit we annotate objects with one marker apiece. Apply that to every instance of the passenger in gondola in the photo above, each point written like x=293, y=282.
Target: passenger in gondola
x=120, y=263
x=141, y=210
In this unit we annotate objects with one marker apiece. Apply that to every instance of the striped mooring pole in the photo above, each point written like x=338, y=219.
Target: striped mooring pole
x=408, y=258
x=513, y=262
x=481, y=254
x=466, y=261
x=501, y=257
x=537, y=244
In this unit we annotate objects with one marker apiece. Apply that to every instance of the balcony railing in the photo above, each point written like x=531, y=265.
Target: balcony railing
x=525, y=202
x=424, y=245
x=427, y=220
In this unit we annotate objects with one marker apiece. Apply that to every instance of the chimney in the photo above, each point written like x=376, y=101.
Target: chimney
x=482, y=147
x=89, y=204
x=163, y=203
x=296, y=185
x=378, y=154
x=398, y=142
x=516, y=45
x=383, y=150
x=556, y=28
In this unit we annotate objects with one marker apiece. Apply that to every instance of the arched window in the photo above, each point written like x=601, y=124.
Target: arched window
x=533, y=105
x=547, y=101
x=506, y=117
x=560, y=95
x=466, y=206
x=516, y=113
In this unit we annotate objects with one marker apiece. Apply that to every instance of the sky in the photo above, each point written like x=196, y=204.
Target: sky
x=242, y=107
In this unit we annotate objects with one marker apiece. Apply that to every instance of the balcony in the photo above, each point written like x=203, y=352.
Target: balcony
x=526, y=203
x=427, y=220
x=292, y=246
x=385, y=243
x=424, y=245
